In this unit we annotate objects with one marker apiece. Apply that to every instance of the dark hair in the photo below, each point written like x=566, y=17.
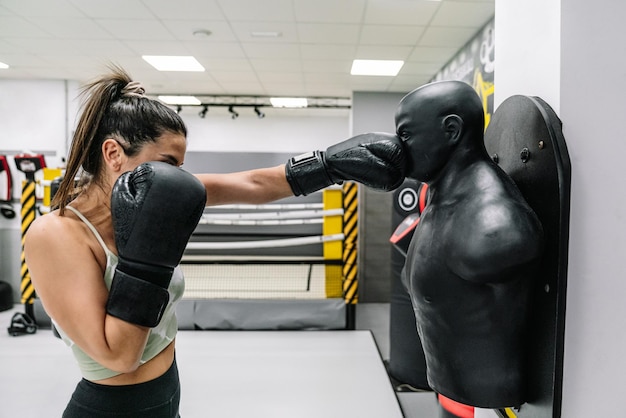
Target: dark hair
x=115, y=107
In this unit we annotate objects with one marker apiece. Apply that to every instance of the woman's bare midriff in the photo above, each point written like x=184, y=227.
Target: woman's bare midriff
x=146, y=372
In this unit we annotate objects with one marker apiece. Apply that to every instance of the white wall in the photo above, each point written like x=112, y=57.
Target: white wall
x=286, y=130
x=528, y=50
x=32, y=113
x=34, y=116
x=586, y=88
x=593, y=82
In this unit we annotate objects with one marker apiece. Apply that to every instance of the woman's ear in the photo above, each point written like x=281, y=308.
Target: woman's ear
x=113, y=154
x=453, y=127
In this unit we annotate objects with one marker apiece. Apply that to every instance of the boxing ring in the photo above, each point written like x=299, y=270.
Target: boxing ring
x=273, y=266
x=254, y=276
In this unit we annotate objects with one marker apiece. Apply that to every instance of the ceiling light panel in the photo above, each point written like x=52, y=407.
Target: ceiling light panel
x=173, y=63
x=266, y=34
x=288, y=102
x=180, y=100
x=376, y=67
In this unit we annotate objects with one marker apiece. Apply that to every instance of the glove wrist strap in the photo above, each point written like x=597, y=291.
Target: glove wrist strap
x=135, y=300
x=157, y=275
x=306, y=173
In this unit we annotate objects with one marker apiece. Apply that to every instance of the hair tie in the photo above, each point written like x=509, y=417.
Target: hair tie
x=133, y=88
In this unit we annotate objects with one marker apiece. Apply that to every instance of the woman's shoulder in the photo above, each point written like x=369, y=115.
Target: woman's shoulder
x=53, y=228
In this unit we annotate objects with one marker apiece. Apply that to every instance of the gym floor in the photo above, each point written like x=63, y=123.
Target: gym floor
x=235, y=374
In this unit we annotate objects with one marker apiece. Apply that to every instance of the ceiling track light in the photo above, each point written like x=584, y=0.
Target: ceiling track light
x=203, y=102
x=255, y=101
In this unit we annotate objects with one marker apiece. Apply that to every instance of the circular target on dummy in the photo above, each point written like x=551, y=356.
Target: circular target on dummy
x=407, y=200
x=410, y=197
x=406, y=197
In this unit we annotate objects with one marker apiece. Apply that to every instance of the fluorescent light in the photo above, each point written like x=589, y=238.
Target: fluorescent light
x=376, y=67
x=3, y=66
x=173, y=63
x=288, y=102
x=180, y=100
x=268, y=34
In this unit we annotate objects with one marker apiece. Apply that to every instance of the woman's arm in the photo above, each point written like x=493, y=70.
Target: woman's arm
x=68, y=279
x=253, y=186
x=376, y=160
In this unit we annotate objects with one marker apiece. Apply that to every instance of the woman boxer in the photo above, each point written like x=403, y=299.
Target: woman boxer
x=91, y=269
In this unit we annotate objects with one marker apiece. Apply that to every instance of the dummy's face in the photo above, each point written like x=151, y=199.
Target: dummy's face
x=169, y=148
x=422, y=133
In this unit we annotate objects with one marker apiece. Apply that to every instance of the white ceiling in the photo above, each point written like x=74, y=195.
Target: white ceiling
x=74, y=39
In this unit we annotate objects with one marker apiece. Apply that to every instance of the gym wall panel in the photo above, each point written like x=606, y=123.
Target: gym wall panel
x=570, y=54
x=273, y=134
x=374, y=112
x=34, y=117
x=592, y=106
x=32, y=114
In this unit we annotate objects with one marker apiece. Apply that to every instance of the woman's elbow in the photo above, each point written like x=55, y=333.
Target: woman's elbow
x=123, y=364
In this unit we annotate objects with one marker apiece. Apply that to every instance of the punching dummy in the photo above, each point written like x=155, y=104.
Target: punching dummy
x=376, y=160
x=155, y=209
x=473, y=254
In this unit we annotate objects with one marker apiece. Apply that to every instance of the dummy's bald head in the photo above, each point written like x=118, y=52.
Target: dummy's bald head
x=437, y=120
x=440, y=99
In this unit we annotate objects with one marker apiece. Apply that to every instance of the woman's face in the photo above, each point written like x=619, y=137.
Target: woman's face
x=169, y=148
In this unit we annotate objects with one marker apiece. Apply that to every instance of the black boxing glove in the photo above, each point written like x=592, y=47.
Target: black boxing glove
x=376, y=160
x=155, y=209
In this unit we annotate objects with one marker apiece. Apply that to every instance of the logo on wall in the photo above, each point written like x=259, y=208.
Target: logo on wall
x=475, y=65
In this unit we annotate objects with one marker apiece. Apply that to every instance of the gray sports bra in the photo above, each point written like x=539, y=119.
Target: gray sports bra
x=160, y=336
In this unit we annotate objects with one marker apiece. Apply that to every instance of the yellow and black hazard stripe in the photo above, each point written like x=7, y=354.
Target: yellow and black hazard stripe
x=351, y=232
x=28, y=201
x=332, y=225
x=506, y=413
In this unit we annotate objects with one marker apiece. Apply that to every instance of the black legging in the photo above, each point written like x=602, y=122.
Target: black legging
x=158, y=398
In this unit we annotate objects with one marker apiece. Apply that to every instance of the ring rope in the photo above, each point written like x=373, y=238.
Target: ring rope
x=272, y=206
x=268, y=222
x=208, y=258
x=270, y=243
x=273, y=215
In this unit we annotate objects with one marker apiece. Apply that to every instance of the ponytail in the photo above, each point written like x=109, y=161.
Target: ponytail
x=113, y=106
